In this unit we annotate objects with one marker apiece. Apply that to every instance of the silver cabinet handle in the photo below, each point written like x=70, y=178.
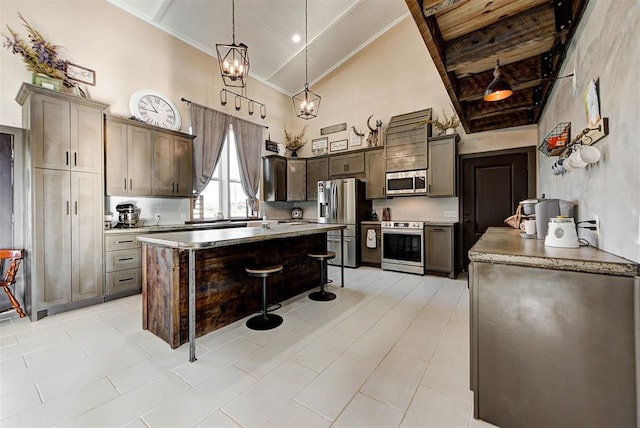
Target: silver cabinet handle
x=76, y=207
x=67, y=207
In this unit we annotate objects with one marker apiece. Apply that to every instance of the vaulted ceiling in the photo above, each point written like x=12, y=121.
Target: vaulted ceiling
x=466, y=37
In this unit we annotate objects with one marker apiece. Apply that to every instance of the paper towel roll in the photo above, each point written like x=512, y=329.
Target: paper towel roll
x=371, y=238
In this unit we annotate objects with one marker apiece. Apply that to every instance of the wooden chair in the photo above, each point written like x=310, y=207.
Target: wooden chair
x=9, y=278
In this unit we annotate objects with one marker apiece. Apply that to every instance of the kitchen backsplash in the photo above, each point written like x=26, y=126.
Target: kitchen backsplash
x=419, y=208
x=171, y=210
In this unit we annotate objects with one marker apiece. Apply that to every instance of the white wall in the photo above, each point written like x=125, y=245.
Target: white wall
x=605, y=47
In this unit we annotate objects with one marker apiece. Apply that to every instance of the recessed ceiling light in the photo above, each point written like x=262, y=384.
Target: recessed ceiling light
x=296, y=38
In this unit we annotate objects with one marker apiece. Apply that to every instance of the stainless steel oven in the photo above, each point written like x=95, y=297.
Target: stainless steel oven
x=403, y=246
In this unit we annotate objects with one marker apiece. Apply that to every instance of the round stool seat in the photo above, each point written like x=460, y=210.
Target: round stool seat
x=265, y=320
x=262, y=272
x=323, y=256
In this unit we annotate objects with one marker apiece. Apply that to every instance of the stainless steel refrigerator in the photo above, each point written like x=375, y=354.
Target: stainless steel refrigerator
x=343, y=201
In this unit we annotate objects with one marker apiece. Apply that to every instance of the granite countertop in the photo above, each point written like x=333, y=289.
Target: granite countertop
x=200, y=239
x=502, y=245
x=426, y=222
x=198, y=225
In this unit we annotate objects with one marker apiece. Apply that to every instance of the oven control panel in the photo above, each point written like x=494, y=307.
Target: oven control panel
x=403, y=224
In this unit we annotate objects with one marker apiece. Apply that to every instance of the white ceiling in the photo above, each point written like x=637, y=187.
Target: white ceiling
x=337, y=30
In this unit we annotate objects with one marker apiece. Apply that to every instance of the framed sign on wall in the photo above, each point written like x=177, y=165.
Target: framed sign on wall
x=337, y=146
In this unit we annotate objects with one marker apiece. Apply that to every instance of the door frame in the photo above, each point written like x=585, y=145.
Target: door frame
x=532, y=174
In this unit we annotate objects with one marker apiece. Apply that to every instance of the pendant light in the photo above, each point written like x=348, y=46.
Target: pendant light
x=498, y=89
x=233, y=59
x=306, y=104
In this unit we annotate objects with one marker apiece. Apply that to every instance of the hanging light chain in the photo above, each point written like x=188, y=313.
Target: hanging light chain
x=233, y=21
x=306, y=48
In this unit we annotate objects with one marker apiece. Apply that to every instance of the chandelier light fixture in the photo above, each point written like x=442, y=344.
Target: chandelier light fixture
x=233, y=59
x=306, y=104
x=498, y=89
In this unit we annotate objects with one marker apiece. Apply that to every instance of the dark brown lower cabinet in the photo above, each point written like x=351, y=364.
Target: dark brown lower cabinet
x=370, y=256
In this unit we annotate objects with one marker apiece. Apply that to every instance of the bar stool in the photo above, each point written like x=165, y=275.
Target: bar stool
x=322, y=296
x=264, y=321
x=9, y=278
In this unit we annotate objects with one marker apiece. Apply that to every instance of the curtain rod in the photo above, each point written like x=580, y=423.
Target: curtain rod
x=189, y=102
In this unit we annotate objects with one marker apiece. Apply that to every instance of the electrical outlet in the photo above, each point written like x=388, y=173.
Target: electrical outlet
x=451, y=214
x=157, y=218
x=597, y=219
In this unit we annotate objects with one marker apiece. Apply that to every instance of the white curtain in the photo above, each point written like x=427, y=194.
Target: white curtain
x=210, y=128
x=249, y=138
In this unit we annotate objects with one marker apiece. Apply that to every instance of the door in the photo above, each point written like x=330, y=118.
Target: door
x=86, y=138
x=492, y=187
x=184, y=165
x=139, y=159
x=50, y=132
x=6, y=206
x=116, y=154
x=164, y=164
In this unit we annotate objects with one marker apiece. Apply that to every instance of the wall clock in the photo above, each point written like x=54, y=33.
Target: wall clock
x=155, y=109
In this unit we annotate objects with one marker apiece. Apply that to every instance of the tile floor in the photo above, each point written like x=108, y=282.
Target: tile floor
x=391, y=350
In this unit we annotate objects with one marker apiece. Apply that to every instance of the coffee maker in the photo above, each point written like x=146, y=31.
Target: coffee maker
x=551, y=208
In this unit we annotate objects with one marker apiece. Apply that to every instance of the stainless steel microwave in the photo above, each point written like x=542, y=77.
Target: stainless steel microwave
x=407, y=182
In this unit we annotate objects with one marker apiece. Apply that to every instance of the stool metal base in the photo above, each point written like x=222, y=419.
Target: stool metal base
x=264, y=322
x=322, y=296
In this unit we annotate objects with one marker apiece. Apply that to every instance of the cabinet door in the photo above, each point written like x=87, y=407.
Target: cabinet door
x=49, y=132
x=52, y=238
x=87, y=227
x=139, y=158
x=164, y=164
x=296, y=179
x=355, y=163
x=274, y=170
x=312, y=179
x=86, y=139
x=184, y=166
x=323, y=169
x=439, y=243
x=375, y=174
x=442, y=158
x=337, y=165
x=116, y=158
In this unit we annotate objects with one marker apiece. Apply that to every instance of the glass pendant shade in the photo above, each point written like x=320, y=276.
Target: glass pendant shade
x=306, y=103
x=498, y=89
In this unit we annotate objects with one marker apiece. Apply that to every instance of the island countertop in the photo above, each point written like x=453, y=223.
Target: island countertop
x=201, y=239
x=504, y=245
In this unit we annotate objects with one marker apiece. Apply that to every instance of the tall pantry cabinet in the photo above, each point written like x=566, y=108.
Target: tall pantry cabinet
x=65, y=197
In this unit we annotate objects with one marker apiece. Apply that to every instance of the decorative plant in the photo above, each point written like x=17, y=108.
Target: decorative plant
x=39, y=55
x=295, y=141
x=448, y=122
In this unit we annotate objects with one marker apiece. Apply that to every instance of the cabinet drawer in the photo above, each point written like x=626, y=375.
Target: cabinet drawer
x=124, y=280
x=121, y=242
x=123, y=259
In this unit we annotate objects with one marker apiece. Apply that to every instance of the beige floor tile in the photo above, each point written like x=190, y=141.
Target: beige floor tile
x=358, y=323
x=448, y=372
x=295, y=415
x=366, y=412
x=194, y=405
x=64, y=408
x=373, y=346
x=395, y=380
x=325, y=349
x=18, y=401
x=219, y=420
x=145, y=371
x=456, y=337
x=261, y=362
x=419, y=342
x=66, y=382
x=332, y=390
x=258, y=403
x=431, y=408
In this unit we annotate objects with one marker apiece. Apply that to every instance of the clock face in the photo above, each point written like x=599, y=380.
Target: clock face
x=155, y=109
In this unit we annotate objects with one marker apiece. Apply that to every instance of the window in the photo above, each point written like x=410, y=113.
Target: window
x=224, y=193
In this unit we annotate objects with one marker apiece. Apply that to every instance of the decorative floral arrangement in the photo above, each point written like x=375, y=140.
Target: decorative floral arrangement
x=295, y=141
x=448, y=122
x=39, y=55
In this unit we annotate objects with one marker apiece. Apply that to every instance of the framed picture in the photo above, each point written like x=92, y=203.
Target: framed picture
x=320, y=143
x=339, y=145
x=334, y=128
x=81, y=74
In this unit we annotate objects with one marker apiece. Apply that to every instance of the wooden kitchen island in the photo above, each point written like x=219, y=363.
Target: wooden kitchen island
x=194, y=282
x=555, y=334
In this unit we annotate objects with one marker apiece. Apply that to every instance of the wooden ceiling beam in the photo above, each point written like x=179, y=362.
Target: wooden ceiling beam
x=431, y=7
x=428, y=28
x=521, y=100
x=536, y=25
